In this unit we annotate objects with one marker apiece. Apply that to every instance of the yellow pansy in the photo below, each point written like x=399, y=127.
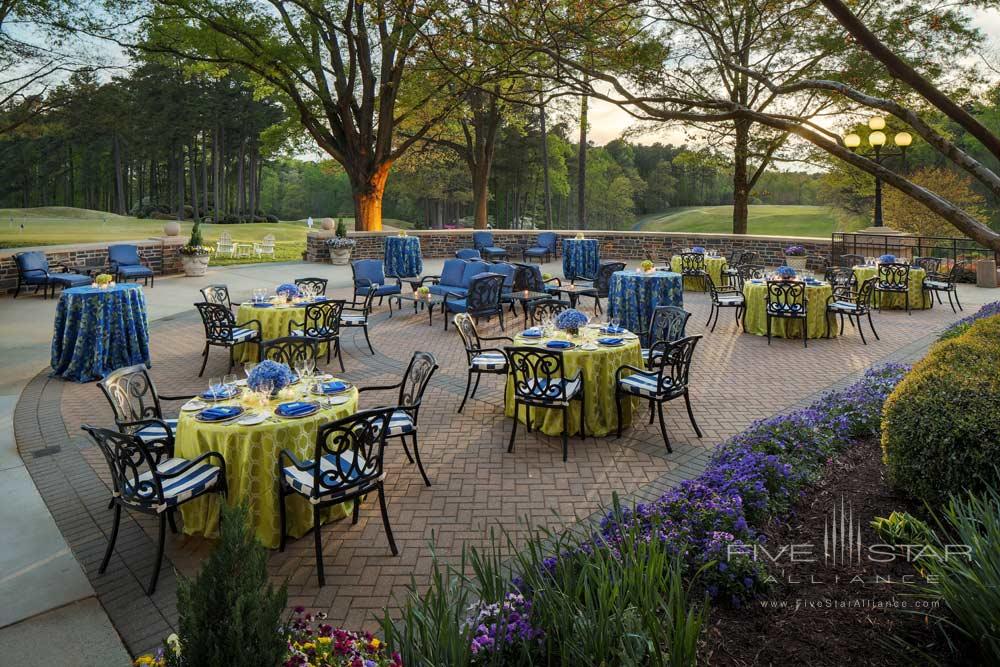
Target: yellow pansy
x=324, y=640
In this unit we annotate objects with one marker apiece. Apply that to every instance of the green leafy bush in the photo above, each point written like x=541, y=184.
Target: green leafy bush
x=341, y=230
x=940, y=431
x=969, y=586
x=230, y=614
x=902, y=528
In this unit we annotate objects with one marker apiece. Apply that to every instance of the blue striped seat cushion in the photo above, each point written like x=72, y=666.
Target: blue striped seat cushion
x=352, y=320
x=794, y=309
x=892, y=287
x=176, y=490
x=549, y=390
x=644, y=384
x=401, y=423
x=335, y=472
x=844, y=305
x=489, y=361
x=730, y=299
x=241, y=334
x=936, y=284
x=321, y=332
x=157, y=432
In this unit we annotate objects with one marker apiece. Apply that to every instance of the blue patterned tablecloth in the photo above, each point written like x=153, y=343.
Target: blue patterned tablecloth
x=580, y=258
x=632, y=296
x=99, y=330
x=402, y=256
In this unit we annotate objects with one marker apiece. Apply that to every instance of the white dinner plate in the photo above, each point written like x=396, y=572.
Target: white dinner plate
x=337, y=400
x=253, y=418
x=194, y=404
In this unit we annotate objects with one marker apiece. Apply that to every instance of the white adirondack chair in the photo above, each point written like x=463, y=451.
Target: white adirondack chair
x=265, y=247
x=225, y=245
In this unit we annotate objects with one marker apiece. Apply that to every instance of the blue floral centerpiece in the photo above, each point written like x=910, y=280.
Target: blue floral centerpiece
x=270, y=372
x=698, y=249
x=570, y=321
x=887, y=259
x=288, y=290
x=786, y=272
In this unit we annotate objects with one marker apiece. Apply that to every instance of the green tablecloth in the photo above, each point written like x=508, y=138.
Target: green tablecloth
x=251, y=454
x=274, y=323
x=919, y=299
x=756, y=315
x=714, y=266
x=598, y=368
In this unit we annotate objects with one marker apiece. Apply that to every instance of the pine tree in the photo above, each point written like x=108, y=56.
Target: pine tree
x=230, y=614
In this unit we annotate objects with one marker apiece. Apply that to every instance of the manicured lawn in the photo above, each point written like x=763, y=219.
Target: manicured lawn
x=56, y=225
x=772, y=220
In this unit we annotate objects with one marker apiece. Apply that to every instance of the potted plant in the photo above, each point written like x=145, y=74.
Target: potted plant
x=341, y=246
x=195, y=255
x=795, y=257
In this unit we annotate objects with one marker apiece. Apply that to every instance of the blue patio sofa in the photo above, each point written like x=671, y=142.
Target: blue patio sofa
x=456, y=275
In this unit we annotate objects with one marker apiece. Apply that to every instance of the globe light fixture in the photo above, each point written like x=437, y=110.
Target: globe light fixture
x=877, y=140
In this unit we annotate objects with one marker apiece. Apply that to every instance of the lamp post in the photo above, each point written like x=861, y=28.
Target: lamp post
x=877, y=139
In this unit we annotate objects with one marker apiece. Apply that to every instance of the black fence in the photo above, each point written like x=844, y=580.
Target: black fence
x=957, y=250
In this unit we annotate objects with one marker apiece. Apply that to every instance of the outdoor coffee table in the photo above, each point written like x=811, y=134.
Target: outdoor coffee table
x=574, y=292
x=525, y=297
x=426, y=302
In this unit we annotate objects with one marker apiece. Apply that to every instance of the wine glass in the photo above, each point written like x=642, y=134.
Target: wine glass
x=615, y=322
x=214, y=387
x=229, y=382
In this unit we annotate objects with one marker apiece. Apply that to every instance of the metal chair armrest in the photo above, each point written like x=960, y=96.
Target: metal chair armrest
x=497, y=338
x=380, y=388
x=192, y=463
x=177, y=398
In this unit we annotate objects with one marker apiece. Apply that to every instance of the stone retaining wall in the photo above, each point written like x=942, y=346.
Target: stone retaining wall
x=161, y=254
x=619, y=245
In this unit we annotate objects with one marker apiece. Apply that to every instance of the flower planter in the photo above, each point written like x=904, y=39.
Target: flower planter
x=340, y=256
x=796, y=262
x=194, y=265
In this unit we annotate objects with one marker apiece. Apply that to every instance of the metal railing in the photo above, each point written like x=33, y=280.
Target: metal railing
x=908, y=247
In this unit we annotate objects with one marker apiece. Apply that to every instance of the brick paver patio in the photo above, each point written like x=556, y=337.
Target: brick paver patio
x=737, y=378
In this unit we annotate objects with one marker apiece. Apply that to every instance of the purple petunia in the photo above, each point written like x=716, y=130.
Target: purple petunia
x=795, y=251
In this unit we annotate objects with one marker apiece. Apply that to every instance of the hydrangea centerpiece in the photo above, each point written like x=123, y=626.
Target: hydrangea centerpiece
x=887, y=259
x=795, y=251
x=570, y=321
x=270, y=372
x=288, y=290
x=786, y=272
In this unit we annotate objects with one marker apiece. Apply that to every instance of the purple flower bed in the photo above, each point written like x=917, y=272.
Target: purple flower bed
x=960, y=327
x=502, y=626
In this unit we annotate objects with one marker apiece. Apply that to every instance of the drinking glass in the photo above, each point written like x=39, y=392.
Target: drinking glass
x=248, y=368
x=615, y=322
x=214, y=386
x=229, y=381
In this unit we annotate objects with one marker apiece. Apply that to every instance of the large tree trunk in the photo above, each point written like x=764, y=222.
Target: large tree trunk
x=368, y=199
x=193, y=165
x=741, y=178
x=481, y=194
x=581, y=172
x=119, y=179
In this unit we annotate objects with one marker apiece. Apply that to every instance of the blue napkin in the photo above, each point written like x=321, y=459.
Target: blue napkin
x=610, y=341
x=533, y=332
x=612, y=330
x=218, y=392
x=334, y=387
x=559, y=344
x=262, y=305
x=319, y=298
x=219, y=413
x=295, y=408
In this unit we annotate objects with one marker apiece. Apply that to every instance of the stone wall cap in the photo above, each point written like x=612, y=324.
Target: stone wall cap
x=590, y=233
x=76, y=247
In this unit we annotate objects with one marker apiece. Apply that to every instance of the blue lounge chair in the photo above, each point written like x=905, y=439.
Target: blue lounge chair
x=545, y=248
x=126, y=265
x=368, y=273
x=33, y=268
x=483, y=242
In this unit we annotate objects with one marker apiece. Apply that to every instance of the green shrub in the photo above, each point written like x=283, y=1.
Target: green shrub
x=940, y=428
x=230, y=614
x=969, y=586
x=341, y=230
x=902, y=528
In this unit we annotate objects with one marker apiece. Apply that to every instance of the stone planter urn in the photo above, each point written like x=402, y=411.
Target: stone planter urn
x=796, y=262
x=340, y=256
x=172, y=228
x=194, y=265
x=328, y=224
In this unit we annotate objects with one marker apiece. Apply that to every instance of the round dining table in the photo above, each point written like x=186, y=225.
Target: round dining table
x=920, y=299
x=581, y=258
x=251, y=455
x=713, y=265
x=98, y=330
x=274, y=319
x=402, y=256
x=634, y=295
x=755, y=293
x=598, y=364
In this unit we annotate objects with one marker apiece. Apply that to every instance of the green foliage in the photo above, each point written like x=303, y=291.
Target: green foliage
x=969, y=586
x=940, y=432
x=230, y=614
x=623, y=606
x=195, y=240
x=902, y=528
x=341, y=231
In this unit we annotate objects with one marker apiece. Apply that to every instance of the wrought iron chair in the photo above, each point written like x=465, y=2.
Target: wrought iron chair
x=346, y=465
x=786, y=299
x=854, y=303
x=841, y=276
x=322, y=323
x=539, y=380
x=484, y=298
x=731, y=270
x=928, y=264
x=481, y=359
x=290, y=349
x=142, y=483
x=33, y=268
x=665, y=379
x=750, y=272
x=666, y=323
x=221, y=330
x=893, y=279
x=403, y=422
x=727, y=296
x=543, y=309
x=357, y=316
x=935, y=283
x=693, y=266
x=529, y=277
x=468, y=254
x=371, y=273
x=126, y=264
x=602, y=283
x=136, y=406
x=218, y=294
x=852, y=260
x=317, y=285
